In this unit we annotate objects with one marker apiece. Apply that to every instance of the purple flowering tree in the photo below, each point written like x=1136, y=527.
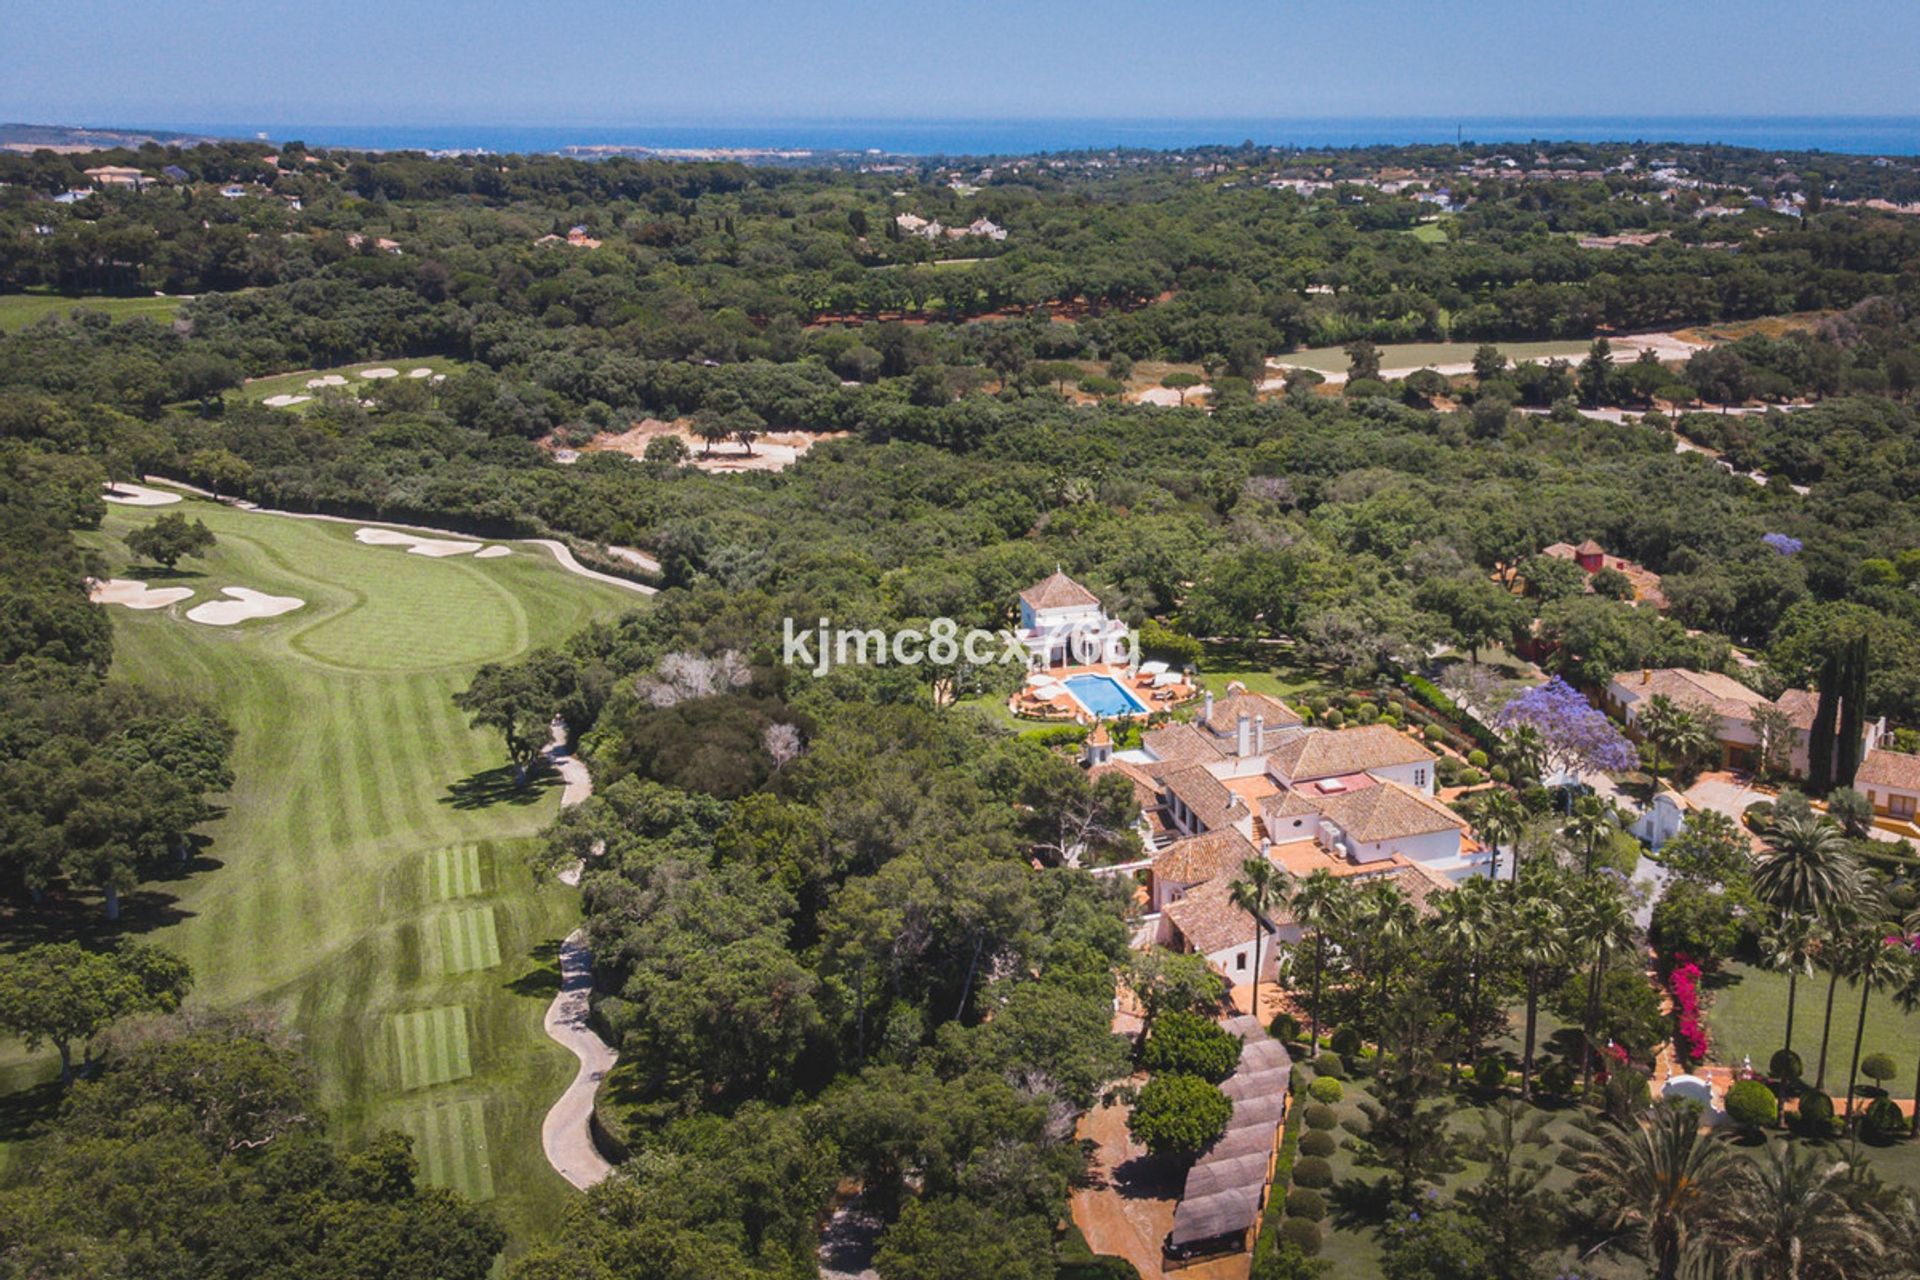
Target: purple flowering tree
x=1785, y=544
x=1578, y=738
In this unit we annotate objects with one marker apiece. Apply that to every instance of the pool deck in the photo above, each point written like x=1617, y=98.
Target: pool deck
x=1066, y=706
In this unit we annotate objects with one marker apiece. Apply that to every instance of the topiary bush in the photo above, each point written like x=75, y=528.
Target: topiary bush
x=1879, y=1067
x=1345, y=1042
x=1312, y=1171
x=1785, y=1066
x=1329, y=1066
x=1305, y=1202
x=1284, y=1027
x=1320, y=1116
x=1318, y=1143
x=1883, y=1122
x=1751, y=1105
x=1490, y=1073
x=1477, y=758
x=1326, y=1089
x=1303, y=1234
x=1471, y=777
x=1816, y=1115
x=1557, y=1078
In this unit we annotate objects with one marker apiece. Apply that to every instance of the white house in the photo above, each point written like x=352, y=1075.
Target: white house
x=1062, y=624
x=1733, y=706
x=1891, y=780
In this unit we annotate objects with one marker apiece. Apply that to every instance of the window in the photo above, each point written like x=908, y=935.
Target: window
x=1902, y=806
x=1240, y=960
x=1419, y=777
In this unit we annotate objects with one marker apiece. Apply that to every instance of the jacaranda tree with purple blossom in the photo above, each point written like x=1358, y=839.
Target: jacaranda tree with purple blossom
x=1785, y=544
x=1578, y=737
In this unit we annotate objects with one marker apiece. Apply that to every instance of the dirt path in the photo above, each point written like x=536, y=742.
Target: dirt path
x=559, y=549
x=566, y=1133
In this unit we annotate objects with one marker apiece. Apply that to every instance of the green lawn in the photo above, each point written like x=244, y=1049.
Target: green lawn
x=1748, y=1014
x=369, y=878
x=295, y=384
x=18, y=310
x=1429, y=233
x=1420, y=355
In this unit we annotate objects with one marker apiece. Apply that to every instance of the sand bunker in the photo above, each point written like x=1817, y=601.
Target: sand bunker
x=284, y=401
x=379, y=373
x=419, y=373
x=135, y=595
x=414, y=543
x=492, y=553
x=246, y=604
x=138, y=495
x=327, y=380
x=772, y=451
x=1168, y=398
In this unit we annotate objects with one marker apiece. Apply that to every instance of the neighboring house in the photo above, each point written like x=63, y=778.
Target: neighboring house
x=1891, y=780
x=1062, y=624
x=1591, y=557
x=117, y=175
x=174, y=173
x=1733, y=706
x=232, y=191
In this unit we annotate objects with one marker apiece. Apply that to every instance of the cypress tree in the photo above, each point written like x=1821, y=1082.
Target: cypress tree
x=1853, y=711
x=1820, y=737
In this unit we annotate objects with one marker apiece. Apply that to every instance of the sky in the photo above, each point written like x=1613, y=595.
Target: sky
x=602, y=61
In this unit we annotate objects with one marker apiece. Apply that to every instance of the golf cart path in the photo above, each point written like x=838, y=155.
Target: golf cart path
x=567, y=1132
x=561, y=554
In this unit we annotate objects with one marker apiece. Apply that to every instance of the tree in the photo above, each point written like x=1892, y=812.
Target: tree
x=1539, y=943
x=1193, y=1045
x=1680, y=733
x=1261, y=886
x=666, y=451
x=1596, y=373
x=1789, y=1210
x=1169, y=981
x=1787, y=946
x=1575, y=736
x=1464, y=922
x=1363, y=361
x=1597, y=924
x=1178, y=1115
x=222, y=469
x=1478, y=611
x=1853, y=811
x=1593, y=819
x=1488, y=362
x=1516, y=1217
x=1872, y=961
x=1806, y=873
x=170, y=538
x=1774, y=728
x=1662, y=1179
x=951, y=1238
x=1501, y=819
x=1407, y=1129
x=62, y=994
x=520, y=700
x=1316, y=908
x=712, y=426
x=1180, y=381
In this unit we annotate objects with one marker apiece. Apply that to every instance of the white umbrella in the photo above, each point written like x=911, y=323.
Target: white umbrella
x=1152, y=668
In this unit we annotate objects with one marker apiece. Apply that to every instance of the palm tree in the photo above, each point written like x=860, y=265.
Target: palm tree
x=1807, y=872
x=1837, y=923
x=1787, y=947
x=1680, y=732
x=1872, y=962
x=1663, y=1179
x=1524, y=753
x=1905, y=991
x=1262, y=886
x=1593, y=819
x=1598, y=922
x=1384, y=918
x=1462, y=922
x=1316, y=904
x=1788, y=1209
x=1501, y=818
x=1538, y=932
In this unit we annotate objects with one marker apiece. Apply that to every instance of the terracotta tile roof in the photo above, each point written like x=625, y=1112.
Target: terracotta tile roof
x=1723, y=695
x=1329, y=753
x=1388, y=811
x=1058, y=591
x=1207, y=918
x=1212, y=804
x=1180, y=742
x=1561, y=551
x=1591, y=548
x=1195, y=859
x=1894, y=769
x=1420, y=885
x=1799, y=704
x=1227, y=712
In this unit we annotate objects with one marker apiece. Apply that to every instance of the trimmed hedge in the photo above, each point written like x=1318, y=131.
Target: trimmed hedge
x=1305, y=1202
x=1318, y=1142
x=1329, y=1066
x=1751, y=1105
x=1882, y=1124
x=1320, y=1116
x=1326, y=1089
x=1345, y=1042
x=1303, y=1233
x=1816, y=1114
x=1313, y=1172
x=1785, y=1066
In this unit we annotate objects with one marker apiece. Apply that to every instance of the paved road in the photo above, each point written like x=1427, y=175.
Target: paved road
x=565, y=1133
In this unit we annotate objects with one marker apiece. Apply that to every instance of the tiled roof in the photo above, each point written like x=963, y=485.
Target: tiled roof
x=1208, y=919
x=1058, y=591
x=1591, y=548
x=1227, y=712
x=1146, y=788
x=1212, y=804
x=1894, y=769
x=1723, y=695
x=1420, y=885
x=1180, y=742
x=1388, y=811
x=1332, y=752
x=1799, y=704
x=1194, y=859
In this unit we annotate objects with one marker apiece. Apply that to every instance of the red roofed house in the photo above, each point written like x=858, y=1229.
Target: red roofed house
x=1891, y=780
x=1062, y=624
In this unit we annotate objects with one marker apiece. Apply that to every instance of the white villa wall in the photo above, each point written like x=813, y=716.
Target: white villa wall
x=1436, y=846
x=1417, y=777
x=1071, y=615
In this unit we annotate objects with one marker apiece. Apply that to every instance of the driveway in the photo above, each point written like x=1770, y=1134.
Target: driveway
x=1728, y=793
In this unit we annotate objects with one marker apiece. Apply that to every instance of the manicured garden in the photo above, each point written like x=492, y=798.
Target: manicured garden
x=1747, y=1015
x=18, y=310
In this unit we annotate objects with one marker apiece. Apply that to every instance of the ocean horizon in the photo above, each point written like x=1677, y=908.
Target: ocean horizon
x=1857, y=135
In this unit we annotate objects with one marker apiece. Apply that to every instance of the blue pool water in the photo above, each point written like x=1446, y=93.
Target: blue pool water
x=1104, y=696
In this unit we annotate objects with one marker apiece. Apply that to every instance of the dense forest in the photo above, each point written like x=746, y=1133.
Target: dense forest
x=834, y=938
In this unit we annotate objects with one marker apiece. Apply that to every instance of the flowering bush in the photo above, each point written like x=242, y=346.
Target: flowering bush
x=1690, y=1041
x=1785, y=544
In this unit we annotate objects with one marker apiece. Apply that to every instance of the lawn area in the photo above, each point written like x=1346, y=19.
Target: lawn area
x=368, y=879
x=1429, y=233
x=18, y=310
x=1421, y=355
x=1748, y=1013
x=295, y=384
x=1275, y=670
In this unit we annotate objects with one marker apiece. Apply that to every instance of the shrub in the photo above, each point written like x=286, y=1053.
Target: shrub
x=1191, y=1044
x=1284, y=1027
x=1334, y=718
x=1318, y=1143
x=1500, y=773
x=1326, y=1089
x=1305, y=1202
x=1320, y=1116
x=1471, y=777
x=1303, y=1234
x=1346, y=1042
x=1312, y=1171
x=1477, y=758
x=1490, y=1073
x=1785, y=1066
x=1179, y=1115
x=1883, y=1122
x=1433, y=733
x=1879, y=1067
x=1757, y=815
x=1557, y=1078
x=1751, y=1105
x=1330, y=1066
x=1816, y=1114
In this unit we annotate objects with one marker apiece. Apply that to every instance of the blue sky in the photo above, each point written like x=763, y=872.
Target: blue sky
x=599, y=61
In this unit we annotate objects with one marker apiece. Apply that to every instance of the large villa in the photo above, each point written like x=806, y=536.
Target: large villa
x=1083, y=667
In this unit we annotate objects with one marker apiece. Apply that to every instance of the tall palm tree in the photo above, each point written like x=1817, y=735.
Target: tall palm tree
x=1837, y=924
x=1788, y=1209
x=1872, y=962
x=1537, y=928
x=1592, y=820
x=1524, y=753
x=1386, y=920
x=1905, y=990
x=1501, y=818
x=1597, y=923
x=1787, y=947
x=1662, y=1179
x=1679, y=733
x=1462, y=924
x=1262, y=886
x=1807, y=873
x=1316, y=904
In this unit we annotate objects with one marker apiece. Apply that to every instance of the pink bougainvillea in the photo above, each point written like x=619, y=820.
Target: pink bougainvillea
x=1690, y=1040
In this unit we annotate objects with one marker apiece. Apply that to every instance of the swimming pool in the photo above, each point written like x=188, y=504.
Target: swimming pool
x=1104, y=696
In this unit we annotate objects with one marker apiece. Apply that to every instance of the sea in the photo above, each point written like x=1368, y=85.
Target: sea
x=1858, y=135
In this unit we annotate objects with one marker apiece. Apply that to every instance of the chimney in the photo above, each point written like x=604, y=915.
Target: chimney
x=1206, y=711
x=1244, y=729
x=1646, y=675
x=1260, y=735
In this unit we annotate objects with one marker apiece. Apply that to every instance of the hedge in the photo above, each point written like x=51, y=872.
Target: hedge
x=1318, y=1142
x=1282, y=1178
x=1428, y=694
x=1320, y=1116
x=1326, y=1089
x=1305, y=1202
x=1312, y=1171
